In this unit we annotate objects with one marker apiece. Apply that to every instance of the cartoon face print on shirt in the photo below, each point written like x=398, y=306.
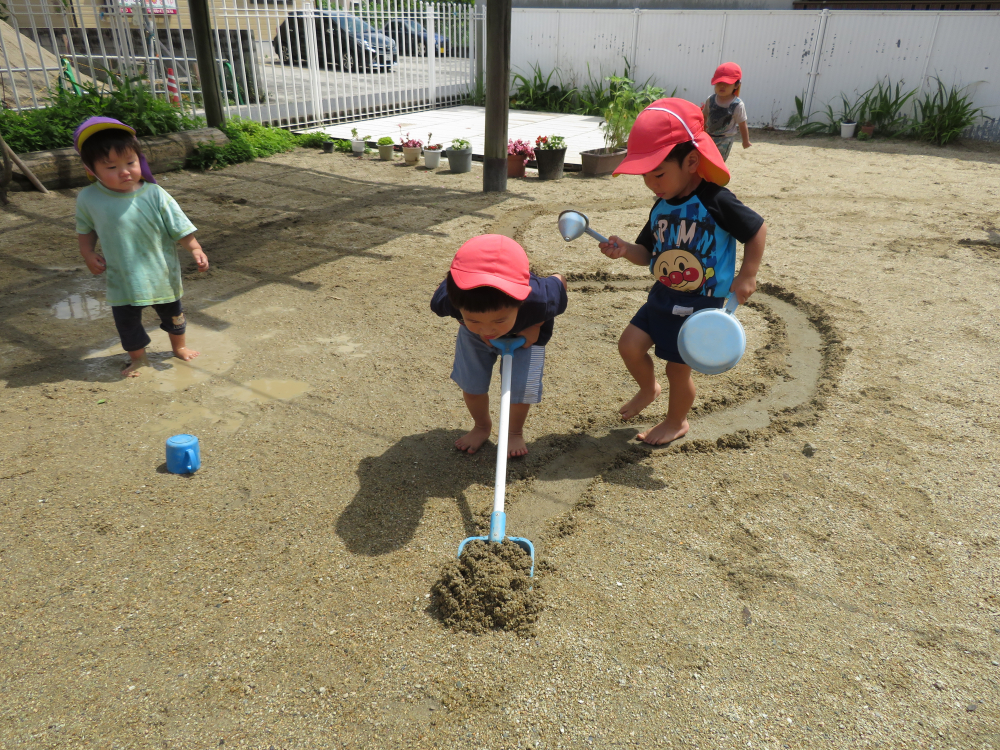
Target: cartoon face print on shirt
x=681, y=270
x=686, y=261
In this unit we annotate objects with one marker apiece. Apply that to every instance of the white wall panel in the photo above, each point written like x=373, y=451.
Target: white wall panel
x=967, y=52
x=680, y=49
x=860, y=48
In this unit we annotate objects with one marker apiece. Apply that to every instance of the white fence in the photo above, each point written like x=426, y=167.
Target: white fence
x=815, y=55
x=301, y=64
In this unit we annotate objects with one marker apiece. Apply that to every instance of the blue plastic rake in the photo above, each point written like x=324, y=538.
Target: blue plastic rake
x=498, y=519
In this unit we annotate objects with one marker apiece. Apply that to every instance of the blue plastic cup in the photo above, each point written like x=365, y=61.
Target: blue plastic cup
x=183, y=454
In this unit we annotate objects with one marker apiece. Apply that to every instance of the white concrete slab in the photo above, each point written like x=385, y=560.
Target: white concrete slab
x=581, y=132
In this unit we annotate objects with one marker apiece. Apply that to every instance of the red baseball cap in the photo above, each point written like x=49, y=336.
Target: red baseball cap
x=660, y=127
x=492, y=260
x=727, y=73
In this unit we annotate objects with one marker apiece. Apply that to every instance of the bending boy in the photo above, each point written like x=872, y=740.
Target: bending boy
x=491, y=293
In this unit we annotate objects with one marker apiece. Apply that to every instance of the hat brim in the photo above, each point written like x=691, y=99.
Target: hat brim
x=470, y=280
x=97, y=127
x=728, y=78
x=712, y=166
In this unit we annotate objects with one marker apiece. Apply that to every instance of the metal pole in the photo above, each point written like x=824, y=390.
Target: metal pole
x=479, y=43
x=497, y=95
x=201, y=29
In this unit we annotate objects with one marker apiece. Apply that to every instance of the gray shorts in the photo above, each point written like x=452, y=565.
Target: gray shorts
x=473, y=370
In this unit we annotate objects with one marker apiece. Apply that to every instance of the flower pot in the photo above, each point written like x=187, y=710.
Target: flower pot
x=460, y=160
x=550, y=163
x=385, y=151
x=869, y=130
x=358, y=147
x=411, y=154
x=847, y=128
x=432, y=158
x=515, y=165
x=327, y=147
x=599, y=161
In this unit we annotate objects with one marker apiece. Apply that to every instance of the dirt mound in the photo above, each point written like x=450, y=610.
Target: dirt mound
x=489, y=588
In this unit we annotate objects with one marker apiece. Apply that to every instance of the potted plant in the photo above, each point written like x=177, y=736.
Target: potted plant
x=411, y=147
x=385, y=148
x=868, y=129
x=358, y=143
x=432, y=153
x=328, y=145
x=460, y=155
x=847, y=128
x=619, y=116
x=518, y=152
x=550, y=156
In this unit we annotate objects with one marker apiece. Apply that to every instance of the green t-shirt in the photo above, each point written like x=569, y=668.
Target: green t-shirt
x=138, y=233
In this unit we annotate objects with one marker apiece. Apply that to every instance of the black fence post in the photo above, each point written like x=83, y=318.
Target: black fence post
x=204, y=50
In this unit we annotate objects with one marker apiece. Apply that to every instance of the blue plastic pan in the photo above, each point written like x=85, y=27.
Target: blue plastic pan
x=498, y=519
x=712, y=341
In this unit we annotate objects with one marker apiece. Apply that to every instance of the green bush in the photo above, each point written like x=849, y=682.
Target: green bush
x=944, y=114
x=128, y=100
x=248, y=140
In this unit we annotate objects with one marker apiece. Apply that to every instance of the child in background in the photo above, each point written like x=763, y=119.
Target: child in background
x=139, y=226
x=725, y=115
x=689, y=244
x=491, y=293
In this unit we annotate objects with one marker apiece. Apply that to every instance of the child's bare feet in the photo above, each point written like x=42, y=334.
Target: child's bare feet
x=473, y=440
x=665, y=432
x=182, y=352
x=135, y=366
x=516, y=447
x=639, y=401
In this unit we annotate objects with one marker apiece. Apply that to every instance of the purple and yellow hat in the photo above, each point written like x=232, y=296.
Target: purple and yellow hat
x=96, y=124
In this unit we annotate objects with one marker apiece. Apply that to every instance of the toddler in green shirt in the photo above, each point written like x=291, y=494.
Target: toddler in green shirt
x=139, y=226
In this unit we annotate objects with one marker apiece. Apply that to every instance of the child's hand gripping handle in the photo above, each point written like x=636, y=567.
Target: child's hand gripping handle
x=498, y=519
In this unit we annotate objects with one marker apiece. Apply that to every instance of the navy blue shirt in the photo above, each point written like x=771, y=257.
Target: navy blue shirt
x=547, y=299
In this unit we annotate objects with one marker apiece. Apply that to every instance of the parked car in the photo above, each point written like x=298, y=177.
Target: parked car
x=342, y=40
x=411, y=37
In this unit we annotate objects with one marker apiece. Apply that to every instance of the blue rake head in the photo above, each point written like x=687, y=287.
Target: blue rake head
x=498, y=528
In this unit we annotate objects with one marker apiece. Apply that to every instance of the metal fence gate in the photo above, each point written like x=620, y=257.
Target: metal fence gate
x=299, y=64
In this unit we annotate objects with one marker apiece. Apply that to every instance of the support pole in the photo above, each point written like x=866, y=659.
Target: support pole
x=204, y=50
x=497, y=95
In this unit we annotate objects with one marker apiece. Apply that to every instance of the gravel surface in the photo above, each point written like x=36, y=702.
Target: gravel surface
x=825, y=575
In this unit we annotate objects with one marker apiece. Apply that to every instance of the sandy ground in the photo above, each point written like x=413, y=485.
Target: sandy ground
x=728, y=591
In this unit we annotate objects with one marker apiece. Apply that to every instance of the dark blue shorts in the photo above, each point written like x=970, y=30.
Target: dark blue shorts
x=128, y=321
x=663, y=315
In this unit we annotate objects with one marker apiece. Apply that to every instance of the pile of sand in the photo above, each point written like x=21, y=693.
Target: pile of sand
x=489, y=587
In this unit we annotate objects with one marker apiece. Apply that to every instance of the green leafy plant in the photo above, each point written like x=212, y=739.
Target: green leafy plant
x=476, y=95
x=356, y=137
x=313, y=140
x=127, y=99
x=627, y=102
x=248, y=140
x=883, y=105
x=539, y=94
x=943, y=114
x=460, y=144
x=385, y=141
x=342, y=146
x=864, y=136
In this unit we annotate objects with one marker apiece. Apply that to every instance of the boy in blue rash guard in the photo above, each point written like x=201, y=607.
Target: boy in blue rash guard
x=689, y=245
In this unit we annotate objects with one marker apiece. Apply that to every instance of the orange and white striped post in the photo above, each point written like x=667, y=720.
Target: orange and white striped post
x=173, y=93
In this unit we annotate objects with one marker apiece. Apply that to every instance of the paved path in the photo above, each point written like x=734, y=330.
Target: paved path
x=581, y=133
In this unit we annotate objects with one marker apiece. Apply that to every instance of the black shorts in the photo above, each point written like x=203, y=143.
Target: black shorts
x=128, y=321
x=663, y=315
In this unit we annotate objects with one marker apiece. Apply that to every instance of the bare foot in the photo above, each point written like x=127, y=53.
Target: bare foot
x=473, y=440
x=639, y=401
x=182, y=352
x=134, y=367
x=664, y=432
x=516, y=446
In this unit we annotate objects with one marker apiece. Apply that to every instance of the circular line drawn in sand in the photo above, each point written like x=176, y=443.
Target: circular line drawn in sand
x=266, y=390
x=166, y=372
x=488, y=588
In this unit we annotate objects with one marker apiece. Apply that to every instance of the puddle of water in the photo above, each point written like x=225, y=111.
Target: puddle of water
x=268, y=390
x=181, y=417
x=218, y=354
x=80, y=307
